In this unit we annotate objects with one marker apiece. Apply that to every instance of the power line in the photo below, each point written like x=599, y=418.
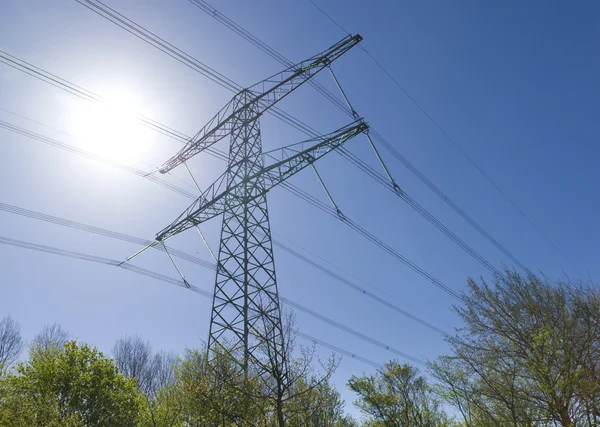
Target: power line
x=157, y=42
x=369, y=236
x=155, y=179
x=452, y=140
x=72, y=149
x=338, y=349
x=436, y=190
x=247, y=35
x=102, y=232
x=328, y=16
x=351, y=331
x=348, y=273
x=379, y=178
x=182, y=255
x=188, y=60
x=358, y=288
x=149, y=273
x=86, y=94
x=295, y=190
x=263, y=46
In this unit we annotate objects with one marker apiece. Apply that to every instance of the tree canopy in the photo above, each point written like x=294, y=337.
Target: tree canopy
x=528, y=354
x=77, y=386
x=396, y=396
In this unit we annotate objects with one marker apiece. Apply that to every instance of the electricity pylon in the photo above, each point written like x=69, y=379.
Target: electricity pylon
x=246, y=312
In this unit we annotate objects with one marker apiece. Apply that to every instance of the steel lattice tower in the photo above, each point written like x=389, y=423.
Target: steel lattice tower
x=246, y=301
x=246, y=313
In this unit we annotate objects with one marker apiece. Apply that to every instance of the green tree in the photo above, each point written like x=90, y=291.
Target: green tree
x=219, y=393
x=529, y=354
x=396, y=396
x=317, y=405
x=76, y=387
x=216, y=393
x=291, y=378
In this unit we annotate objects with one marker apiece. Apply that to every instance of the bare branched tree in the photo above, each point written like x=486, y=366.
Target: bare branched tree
x=135, y=358
x=154, y=374
x=11, y=343
x=50, y=338
x=162, y=373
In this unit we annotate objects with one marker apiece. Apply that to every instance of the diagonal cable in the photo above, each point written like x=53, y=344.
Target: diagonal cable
x=149, y=273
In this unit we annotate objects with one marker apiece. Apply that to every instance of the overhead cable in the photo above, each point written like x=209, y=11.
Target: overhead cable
x=188, y=60
x=369, y=236
x=149, y=273
x=453, y=141
x=247, y=35
x=86, y=94
x=207, y=264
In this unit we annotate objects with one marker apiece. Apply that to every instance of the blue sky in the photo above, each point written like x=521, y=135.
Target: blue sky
x=514, y=83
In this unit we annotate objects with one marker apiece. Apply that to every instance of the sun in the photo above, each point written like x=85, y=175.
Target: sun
x=110, y=130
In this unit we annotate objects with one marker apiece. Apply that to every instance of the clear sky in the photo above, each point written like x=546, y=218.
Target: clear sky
x=514, y=83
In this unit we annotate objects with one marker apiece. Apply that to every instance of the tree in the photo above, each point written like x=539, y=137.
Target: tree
x=215, y=392
x=161, y=395
x=154, y=376
x=133, y=358
x=529, y=354
x=11, y=343
x=396, y=396
x=76, y=387
x=318, y=406
x=51, y=338
x=291, y=376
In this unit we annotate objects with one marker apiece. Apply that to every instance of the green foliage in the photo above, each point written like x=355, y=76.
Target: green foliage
x=216, y=393
x=317, y=406
x=396, y=396
x=529, y=354
x=76, y=387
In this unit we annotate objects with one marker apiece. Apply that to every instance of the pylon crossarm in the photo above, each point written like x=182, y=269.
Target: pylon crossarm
x=300, y=155
x=209, y=201
x=263, y=96
x=274, y=88
x=215, y=130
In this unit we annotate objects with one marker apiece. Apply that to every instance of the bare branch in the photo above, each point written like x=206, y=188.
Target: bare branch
x=11, y=343
x=51, y=337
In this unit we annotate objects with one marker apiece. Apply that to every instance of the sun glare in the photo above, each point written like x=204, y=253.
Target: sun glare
x=110, y=130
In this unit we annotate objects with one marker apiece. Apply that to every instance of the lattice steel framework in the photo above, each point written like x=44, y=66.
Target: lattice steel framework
x=246, y=313
x=246, y=298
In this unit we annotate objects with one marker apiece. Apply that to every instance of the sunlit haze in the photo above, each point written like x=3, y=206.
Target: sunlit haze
x=485, y=116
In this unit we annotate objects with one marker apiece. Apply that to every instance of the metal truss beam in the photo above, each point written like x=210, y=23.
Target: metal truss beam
x=259, y=98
